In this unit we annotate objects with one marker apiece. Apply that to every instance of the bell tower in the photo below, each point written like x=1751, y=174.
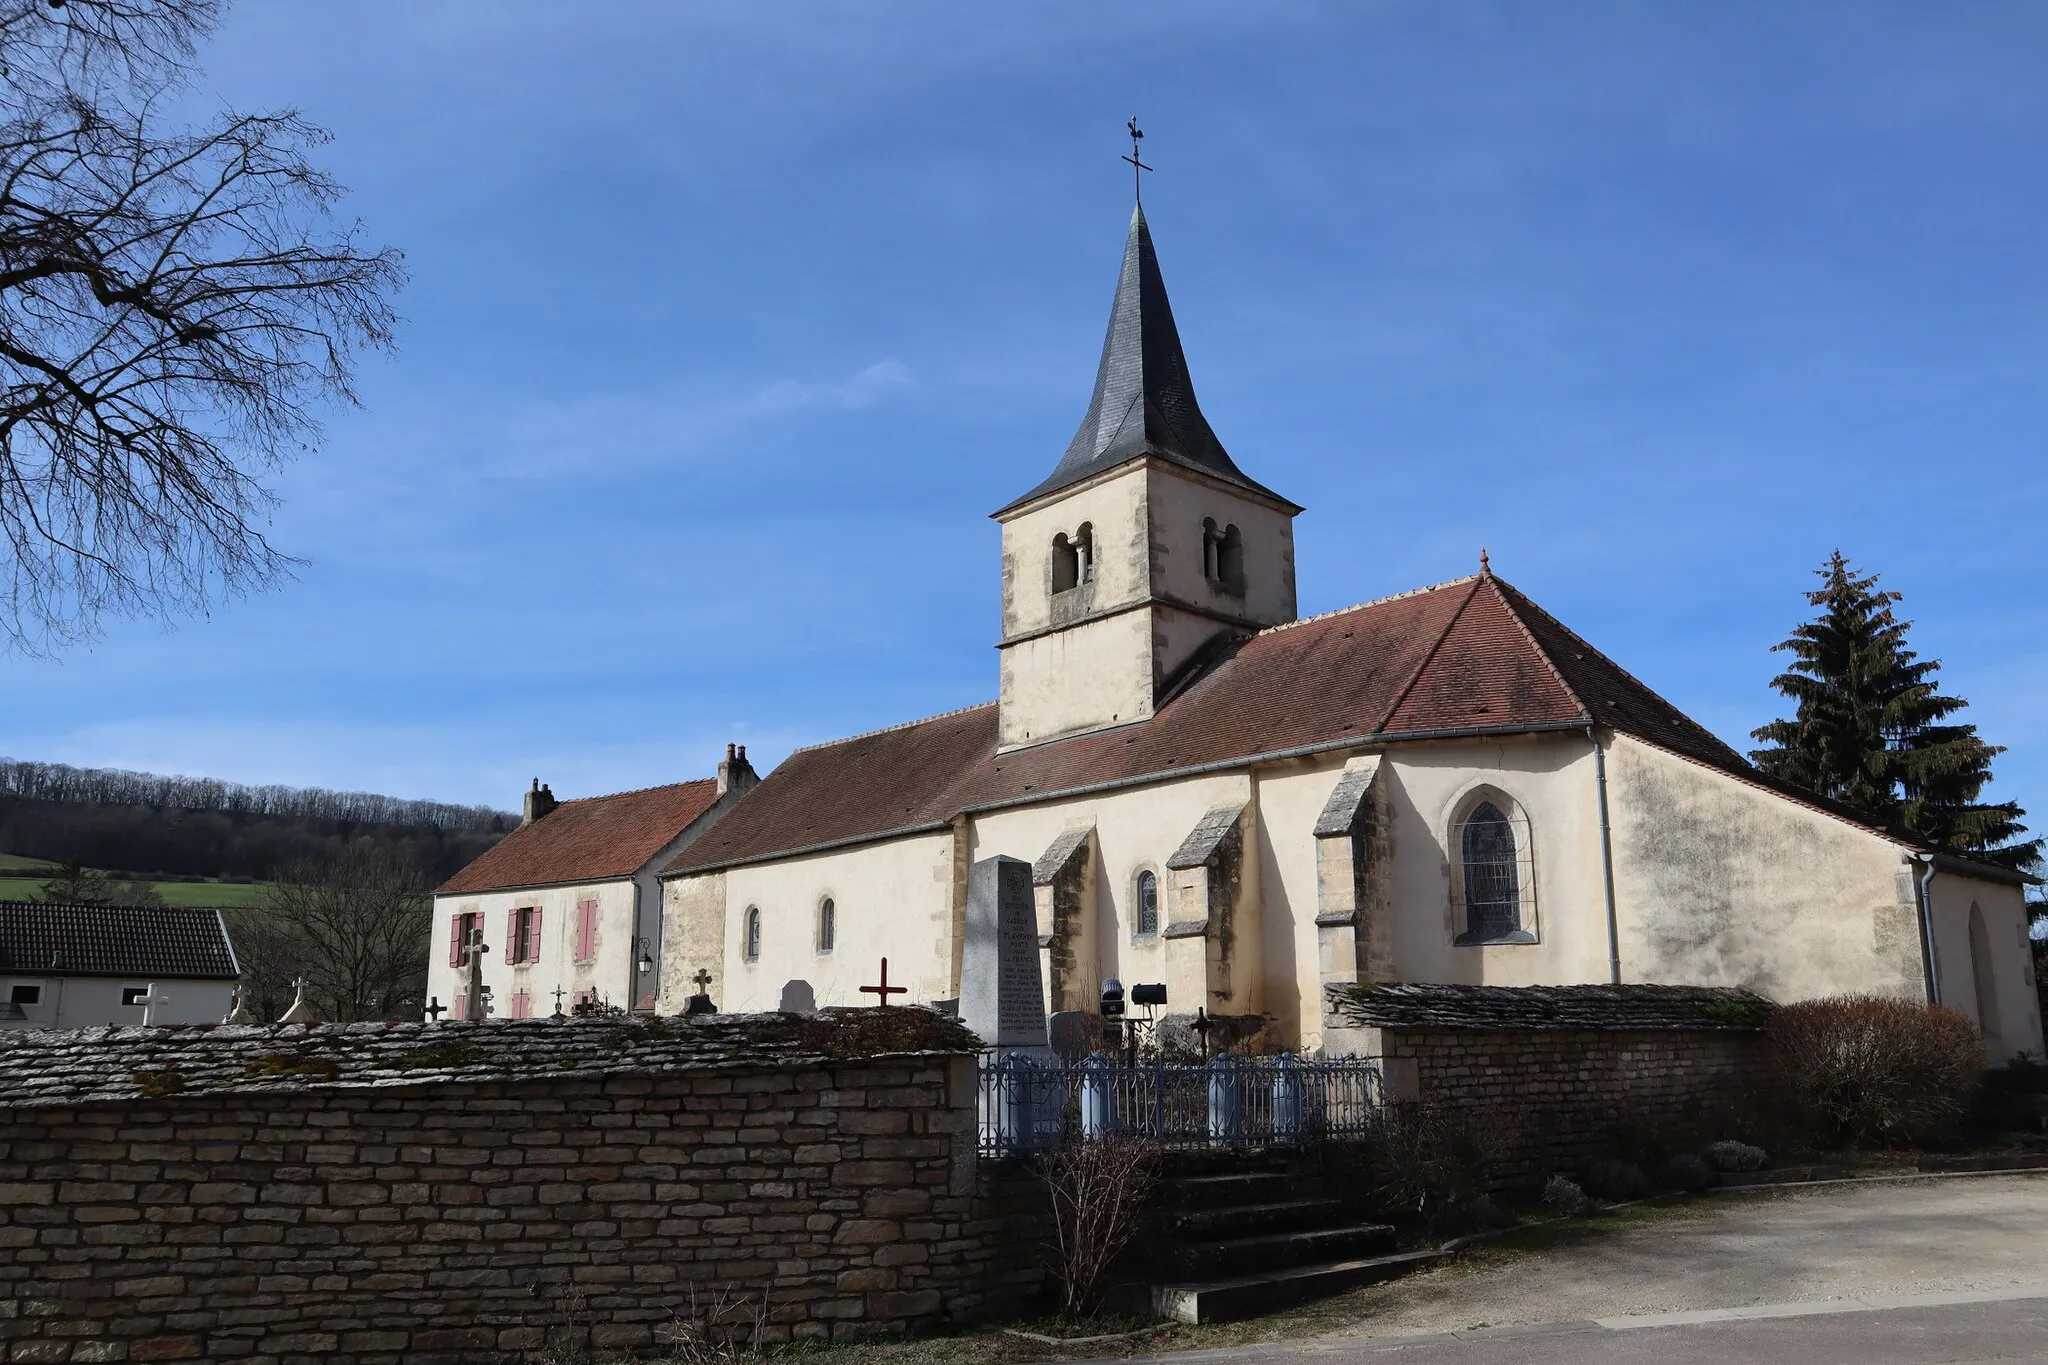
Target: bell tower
x=1145, y=547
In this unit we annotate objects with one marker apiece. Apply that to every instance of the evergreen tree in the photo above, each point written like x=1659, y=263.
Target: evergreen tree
x=1870, y=729
x=77, y=885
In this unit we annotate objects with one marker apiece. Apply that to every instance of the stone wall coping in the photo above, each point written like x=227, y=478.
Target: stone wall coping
x=1643, y=1006
x=63, y=1068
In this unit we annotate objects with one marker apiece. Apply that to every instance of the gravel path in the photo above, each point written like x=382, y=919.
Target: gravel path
x=1937, y=1235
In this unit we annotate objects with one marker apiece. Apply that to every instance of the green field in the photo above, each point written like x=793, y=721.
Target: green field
x=212, y=895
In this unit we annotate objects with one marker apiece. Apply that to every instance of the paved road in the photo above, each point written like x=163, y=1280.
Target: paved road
x=1962, y=1262
x=2001, y=1329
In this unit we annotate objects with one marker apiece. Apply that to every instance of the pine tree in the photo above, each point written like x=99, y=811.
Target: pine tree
x=1871, y=730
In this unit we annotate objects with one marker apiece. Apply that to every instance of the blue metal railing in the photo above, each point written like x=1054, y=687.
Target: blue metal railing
x=1030, y=1104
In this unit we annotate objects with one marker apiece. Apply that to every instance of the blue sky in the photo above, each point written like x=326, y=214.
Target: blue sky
x=730, y=322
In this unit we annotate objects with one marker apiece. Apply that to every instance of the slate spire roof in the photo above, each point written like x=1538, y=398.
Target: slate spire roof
x=1144, y=400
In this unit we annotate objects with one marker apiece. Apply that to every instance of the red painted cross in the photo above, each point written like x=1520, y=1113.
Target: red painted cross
x=885, y=990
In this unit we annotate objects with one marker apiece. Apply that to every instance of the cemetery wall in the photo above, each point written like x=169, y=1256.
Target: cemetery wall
x=473, y=1222
x=1551, y=1098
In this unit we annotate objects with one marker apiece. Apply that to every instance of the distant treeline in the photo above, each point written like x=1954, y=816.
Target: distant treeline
x=143, y=824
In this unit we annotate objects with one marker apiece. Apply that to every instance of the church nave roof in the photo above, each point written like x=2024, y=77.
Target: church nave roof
x=1471, y=656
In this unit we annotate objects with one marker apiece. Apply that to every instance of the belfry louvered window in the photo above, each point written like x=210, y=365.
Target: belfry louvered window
x=1493, y=882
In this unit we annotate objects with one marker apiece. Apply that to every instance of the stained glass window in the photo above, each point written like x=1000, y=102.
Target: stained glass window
x=1493, y=883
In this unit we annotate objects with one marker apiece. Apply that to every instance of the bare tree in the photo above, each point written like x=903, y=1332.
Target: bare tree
x=174, y=302
x=357, y=929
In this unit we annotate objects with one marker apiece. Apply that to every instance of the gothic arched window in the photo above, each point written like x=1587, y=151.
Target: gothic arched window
x=828, y=915
x=750, y=940
x=1491, y=846
x=1084, y=551
x=1148, y=903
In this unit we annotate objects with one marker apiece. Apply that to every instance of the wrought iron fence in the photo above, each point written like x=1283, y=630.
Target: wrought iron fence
x=1030, y=1104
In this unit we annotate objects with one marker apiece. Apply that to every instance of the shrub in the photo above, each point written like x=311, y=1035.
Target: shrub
x=1562, y=1195
x=1616, y=1181
x=1866, y=1068
x=1418, y=1163
x=1687, y=1171
x=1098, y=1186
x=1737, y=1156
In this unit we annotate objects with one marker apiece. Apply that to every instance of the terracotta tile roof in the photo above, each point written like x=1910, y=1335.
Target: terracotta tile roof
x=1471, y=655
x=597, y=838
x=114, y=940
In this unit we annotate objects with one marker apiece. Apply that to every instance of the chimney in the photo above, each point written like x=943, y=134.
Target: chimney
x=736, y=775
x=539, y=802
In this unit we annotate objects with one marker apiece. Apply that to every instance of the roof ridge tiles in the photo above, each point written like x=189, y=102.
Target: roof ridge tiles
x=1361, y=606
x=891, y=729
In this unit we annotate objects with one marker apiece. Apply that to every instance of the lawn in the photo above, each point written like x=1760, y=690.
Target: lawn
x=212, y=895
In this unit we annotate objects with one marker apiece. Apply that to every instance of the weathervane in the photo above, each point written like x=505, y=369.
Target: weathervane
x=1137, y=180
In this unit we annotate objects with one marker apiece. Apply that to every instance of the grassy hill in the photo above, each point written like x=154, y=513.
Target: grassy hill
x=21, y=879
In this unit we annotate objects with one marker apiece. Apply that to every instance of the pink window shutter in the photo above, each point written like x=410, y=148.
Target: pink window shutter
x=533, y=934
x=460, y=1010
x=586, y=930
x=512, y=935
x=455, y=926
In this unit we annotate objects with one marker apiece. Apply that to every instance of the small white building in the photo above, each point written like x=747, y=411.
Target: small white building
x=567, y=904
x=87, y=966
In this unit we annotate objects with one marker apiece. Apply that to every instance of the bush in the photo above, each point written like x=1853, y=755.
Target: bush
x=1562, y=1195
x=1737, y=1156
x=1419, y=1163
x=1099, y=1187
x=1867, y=1069
x=1616, y=1181
x=1687, y=1171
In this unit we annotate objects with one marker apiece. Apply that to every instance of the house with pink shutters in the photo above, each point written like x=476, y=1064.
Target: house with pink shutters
x=566, y=907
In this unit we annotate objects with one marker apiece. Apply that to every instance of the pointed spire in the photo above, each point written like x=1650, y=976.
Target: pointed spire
x=1144, y=401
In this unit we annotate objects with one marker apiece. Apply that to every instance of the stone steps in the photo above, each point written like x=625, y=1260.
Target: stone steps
x=1224, y=1189
x=1247, y=1220
x=1227, y=1298
x=1224, y=1256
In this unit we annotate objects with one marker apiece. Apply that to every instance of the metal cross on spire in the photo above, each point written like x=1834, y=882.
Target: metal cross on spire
x=1137, y=165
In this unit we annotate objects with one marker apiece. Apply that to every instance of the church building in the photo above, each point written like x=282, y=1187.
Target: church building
x=1447, y=785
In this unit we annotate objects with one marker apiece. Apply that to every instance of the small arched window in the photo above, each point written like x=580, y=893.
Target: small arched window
x=1066, y=563
x=1148, y=903
x=750, y=938
x=827, y=924
x=1210, y=535
x=1230, y=560
x=1491, y=875
x=1084, y=551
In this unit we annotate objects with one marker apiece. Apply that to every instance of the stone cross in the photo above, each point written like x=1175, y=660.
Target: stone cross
x=479, y=994
x=149, y=1000
x=885, y=990
x=435, y=1009
x=703, y=981
x=559, y=993
x=1201, y=1024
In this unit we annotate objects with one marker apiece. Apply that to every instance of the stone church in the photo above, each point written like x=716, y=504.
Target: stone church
x=1447, y=785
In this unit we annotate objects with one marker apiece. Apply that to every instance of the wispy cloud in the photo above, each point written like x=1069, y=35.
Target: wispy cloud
x=634, y=432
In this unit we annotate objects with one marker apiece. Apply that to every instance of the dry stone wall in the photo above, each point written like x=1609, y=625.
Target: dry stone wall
x=478, y=1220
x=1552, y=1098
